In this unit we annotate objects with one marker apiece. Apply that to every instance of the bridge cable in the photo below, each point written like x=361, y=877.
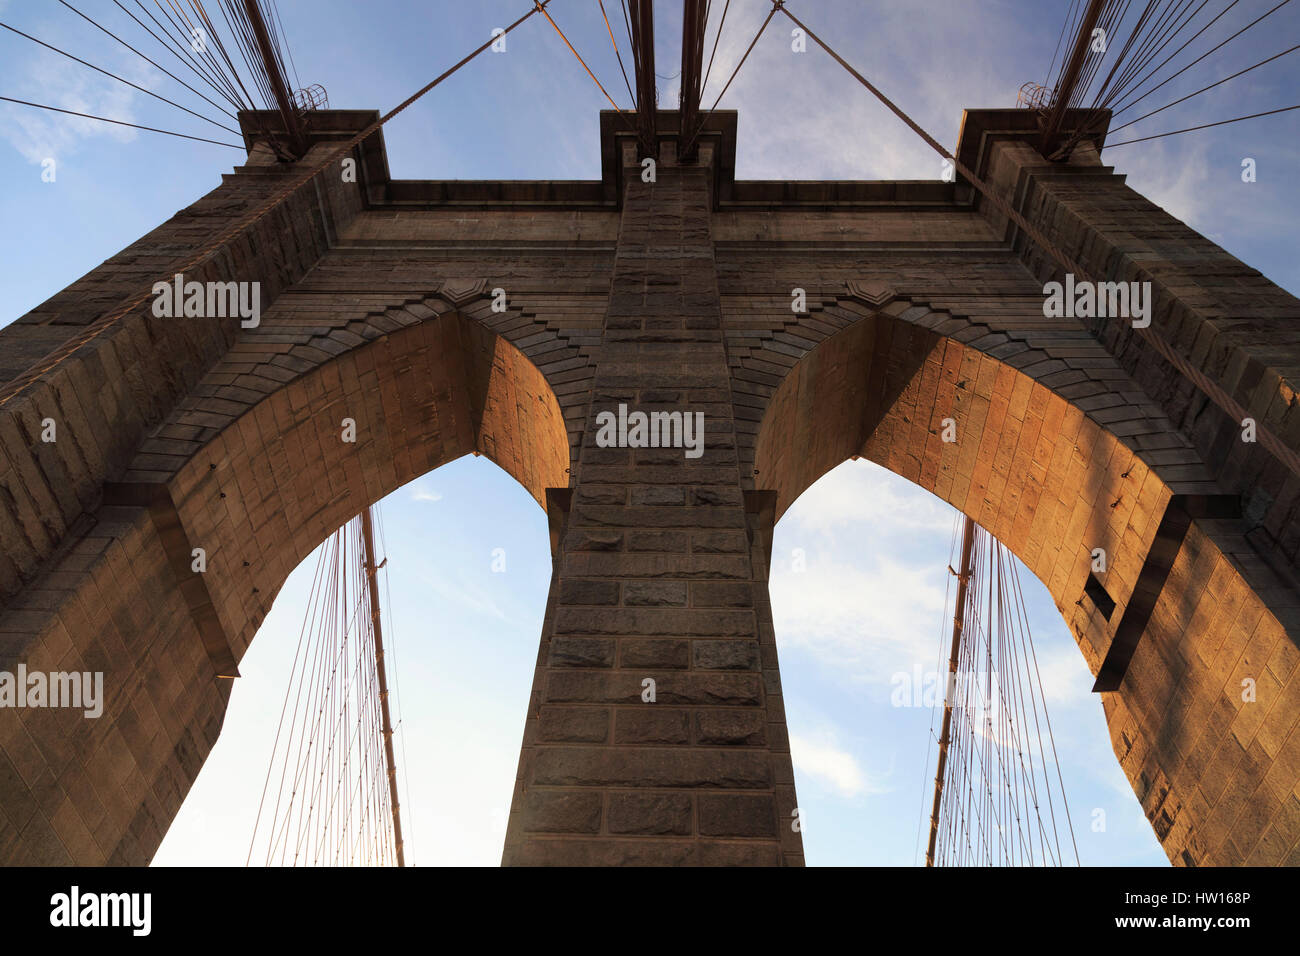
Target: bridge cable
x=1065, y=28
x=583, y=62
x=118, y=78
x=1115, y=129
x=1156, y=340
x=1192, y=129
x=1207, y=53
x=105, y=119
x=622, y=69
x=699, y=126
x=397, y=680
x=931, y=738
x=1123, y=93
x=94, y=329
x=275, y=10
x=335, y=802
x=183, y=61
x=114, y=36
x=714, y=52
x=204, y=63
x=1120, y=106
x=995, y=800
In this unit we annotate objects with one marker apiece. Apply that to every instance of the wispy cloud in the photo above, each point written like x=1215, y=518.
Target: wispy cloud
x=47, y=79
x=782, y=96
x=821, y=758
x=1174, y=177
x=850, y=619
x=863, y=494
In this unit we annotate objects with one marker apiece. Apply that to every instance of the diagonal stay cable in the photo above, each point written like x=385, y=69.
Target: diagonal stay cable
x=1192, y=129
x=105, y=119
x=19, y=384
x=199, y=60
x=1069, y=18
x=293, y=672
x=1126, y=106
x=1159, y=35
x=1211, y=389
x=716, y=37
x=186, y=63
x=110, y=33
x=201, y=57
x=1141, y=63
x=1204, y=88
x=583, y=62
x=622, y=68
x=215, y=42
x=1122, y=61
x=118, y=78
x=1132, y=81
x=144, y=26
x=275, y=8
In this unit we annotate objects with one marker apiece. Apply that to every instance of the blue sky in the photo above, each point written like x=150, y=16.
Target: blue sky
x=466, y=636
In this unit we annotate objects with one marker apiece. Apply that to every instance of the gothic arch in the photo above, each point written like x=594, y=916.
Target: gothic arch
x=1052, y=483
x=253, y=468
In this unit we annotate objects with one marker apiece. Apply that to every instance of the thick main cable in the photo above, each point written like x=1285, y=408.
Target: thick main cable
x=582, y=61
x=19, y=384
x=699, y=126
x=1204, y=384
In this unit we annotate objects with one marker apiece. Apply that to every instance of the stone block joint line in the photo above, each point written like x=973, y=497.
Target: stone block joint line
x=1279, y=449
x=22, y=382
x=803, y=325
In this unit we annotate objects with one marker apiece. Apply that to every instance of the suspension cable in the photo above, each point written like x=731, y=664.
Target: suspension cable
x=581, y=60
x=714, y=52
x=699, y=126
x=622, y=69
x=118, y=78
x=1256, y=66
x=1191, y=129
x=1211, y=389
x=19, y=384
x=105, y=119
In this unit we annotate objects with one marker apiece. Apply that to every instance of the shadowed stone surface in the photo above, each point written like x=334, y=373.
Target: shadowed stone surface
x=675, y=295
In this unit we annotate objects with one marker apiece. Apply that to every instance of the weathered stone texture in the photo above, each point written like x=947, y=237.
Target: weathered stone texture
x=923, y=305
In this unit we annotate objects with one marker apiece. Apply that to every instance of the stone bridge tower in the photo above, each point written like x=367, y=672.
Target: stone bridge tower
x=923, y=303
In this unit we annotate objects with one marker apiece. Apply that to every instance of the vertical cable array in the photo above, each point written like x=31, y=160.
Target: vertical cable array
x=1000, y=799
x=327, y=799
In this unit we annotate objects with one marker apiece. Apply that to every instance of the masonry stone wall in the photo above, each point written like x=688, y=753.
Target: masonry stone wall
x=670, y=295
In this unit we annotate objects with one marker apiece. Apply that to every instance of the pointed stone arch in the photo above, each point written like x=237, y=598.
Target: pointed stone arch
x=251, y=467
x=876, y=375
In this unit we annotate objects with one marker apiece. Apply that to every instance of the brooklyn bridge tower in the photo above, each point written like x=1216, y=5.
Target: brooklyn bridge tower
x=503, y=318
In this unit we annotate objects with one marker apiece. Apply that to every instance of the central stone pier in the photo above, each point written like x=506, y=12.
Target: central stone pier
x=656, y=731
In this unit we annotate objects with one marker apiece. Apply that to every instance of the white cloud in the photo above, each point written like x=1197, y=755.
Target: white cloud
x=866, y=621
x=822, y=759
x=426, y=494
x=869, y=494
x=53, y=81
x=870, y=600
x=1175, y=177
